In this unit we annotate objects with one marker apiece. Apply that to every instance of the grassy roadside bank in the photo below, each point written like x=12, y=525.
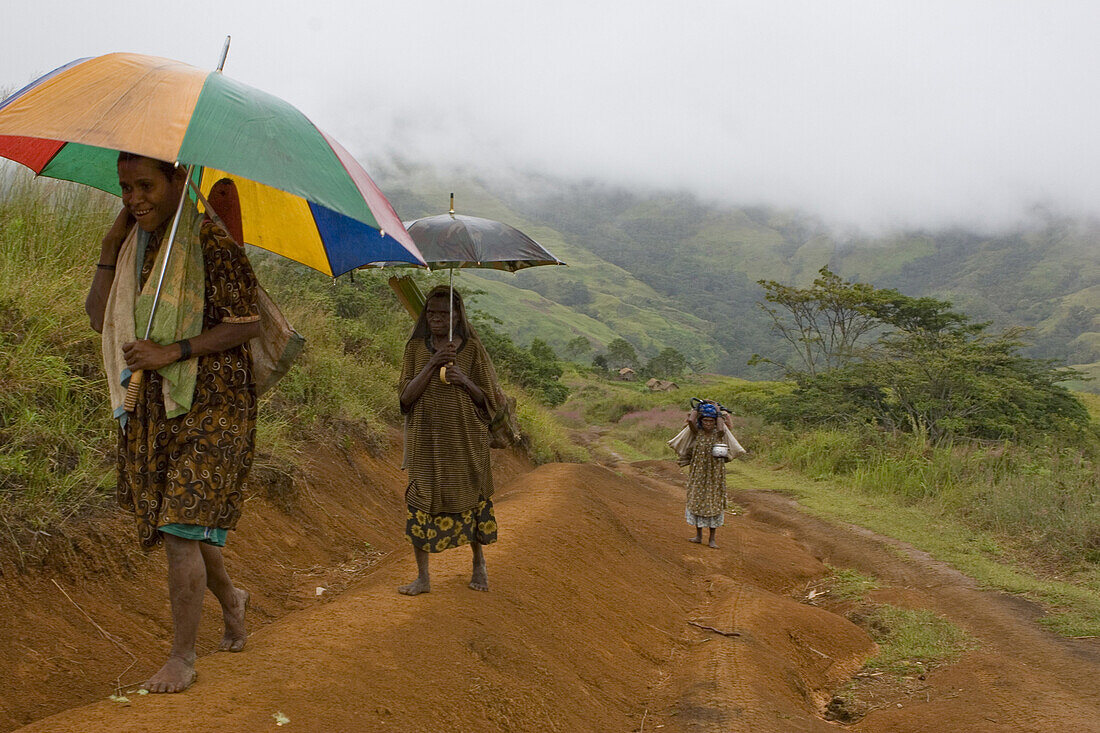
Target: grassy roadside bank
x=57, y=439
x=1072, y=599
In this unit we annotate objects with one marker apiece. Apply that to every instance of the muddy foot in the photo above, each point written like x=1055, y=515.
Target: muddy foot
x=696, y=540
x=176, y=675
x=235, y=633
x=479, y=580
x=712, y=545
x=415, y=588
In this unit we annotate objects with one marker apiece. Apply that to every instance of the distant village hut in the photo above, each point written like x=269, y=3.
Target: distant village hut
x=661, y=385
x=627, y=374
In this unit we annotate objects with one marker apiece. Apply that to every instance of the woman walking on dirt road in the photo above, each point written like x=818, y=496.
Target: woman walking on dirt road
x=447, y=415
x=706, y=489
x=185, y=449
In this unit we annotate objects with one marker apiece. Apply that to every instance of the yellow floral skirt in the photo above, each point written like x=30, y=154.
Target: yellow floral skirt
x=439, y=532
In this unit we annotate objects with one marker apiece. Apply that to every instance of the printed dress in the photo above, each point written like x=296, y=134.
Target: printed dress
x=706, y=489
x=191, y=469
x=447, y=447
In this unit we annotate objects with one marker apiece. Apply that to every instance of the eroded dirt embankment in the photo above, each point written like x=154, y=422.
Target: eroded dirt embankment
x=339, y=518
x=601, y=617
x=585, y=627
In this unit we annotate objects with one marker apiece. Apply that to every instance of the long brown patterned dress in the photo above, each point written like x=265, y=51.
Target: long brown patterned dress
x=190, y=469
x=706, y=490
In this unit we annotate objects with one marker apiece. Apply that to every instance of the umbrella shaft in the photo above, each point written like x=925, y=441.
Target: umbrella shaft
x=225, y=52
x=167, y=254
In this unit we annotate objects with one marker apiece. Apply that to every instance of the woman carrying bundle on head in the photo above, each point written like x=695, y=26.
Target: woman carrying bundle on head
x=447, y=417
x=708, y=452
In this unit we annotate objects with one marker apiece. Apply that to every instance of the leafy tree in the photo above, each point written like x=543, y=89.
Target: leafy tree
x=669, y=364
x=537, y=367
x=599, y=361
x=573, y=293
x=929, y=371
x=827, y=323
x=822, y=323
x=577, y=347
x=971, y=384
x=542, y=351
x=621, y=354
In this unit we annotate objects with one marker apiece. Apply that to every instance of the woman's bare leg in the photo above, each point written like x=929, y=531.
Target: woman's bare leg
x=186, y=586
x=422, y=584
x=234, y=601
x=698, y=538
x=712, y=543
x=479, y=579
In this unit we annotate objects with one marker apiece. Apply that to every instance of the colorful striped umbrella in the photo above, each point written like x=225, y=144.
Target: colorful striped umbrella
x=302, y=195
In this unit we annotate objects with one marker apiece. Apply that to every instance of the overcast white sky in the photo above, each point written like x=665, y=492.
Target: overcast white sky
x=876, y=112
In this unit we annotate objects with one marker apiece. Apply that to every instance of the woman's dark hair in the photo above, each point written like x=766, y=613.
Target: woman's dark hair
x=168, y=169
x=421, y=330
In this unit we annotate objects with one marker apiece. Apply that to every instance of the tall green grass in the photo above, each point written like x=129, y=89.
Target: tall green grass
x=640, y=422
x=56, y=435
x=344, y=384
x=57, y=439
x=545, y=438
x=1045, y=497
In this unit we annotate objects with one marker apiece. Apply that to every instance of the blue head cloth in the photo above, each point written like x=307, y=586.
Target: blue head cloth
x=708, y=410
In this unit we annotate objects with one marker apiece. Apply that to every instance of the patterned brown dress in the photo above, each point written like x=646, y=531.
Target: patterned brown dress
x=706, y=490
x=190, y=469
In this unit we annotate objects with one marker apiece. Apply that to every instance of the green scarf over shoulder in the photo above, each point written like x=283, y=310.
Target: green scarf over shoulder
x=180, y=307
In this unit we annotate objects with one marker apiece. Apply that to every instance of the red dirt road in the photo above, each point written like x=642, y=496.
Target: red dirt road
x=590, y=625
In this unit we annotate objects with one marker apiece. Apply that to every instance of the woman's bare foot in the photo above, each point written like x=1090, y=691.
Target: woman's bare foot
x=696, y=540
x=713, y=545
x=176, y=675
x=415, y=588
x=235, y=633
x=479, y=579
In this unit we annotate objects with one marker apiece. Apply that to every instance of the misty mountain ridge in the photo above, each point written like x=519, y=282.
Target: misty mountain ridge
x=662, y=268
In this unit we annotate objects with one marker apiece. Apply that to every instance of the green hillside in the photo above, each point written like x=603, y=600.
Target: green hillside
x=708, y=258
x=591, y=297
x=667, y=269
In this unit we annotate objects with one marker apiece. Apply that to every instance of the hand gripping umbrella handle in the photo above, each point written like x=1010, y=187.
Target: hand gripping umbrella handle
x=133, y=390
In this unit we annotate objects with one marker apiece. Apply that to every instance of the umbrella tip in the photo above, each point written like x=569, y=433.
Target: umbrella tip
x=225, y=52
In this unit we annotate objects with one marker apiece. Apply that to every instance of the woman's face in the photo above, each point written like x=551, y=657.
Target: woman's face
x=708, y=423
x=438, y=309
x=149, y=195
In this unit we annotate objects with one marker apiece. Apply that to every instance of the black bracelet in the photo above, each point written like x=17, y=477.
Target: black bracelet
x=103, y=266
x=185, y=350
